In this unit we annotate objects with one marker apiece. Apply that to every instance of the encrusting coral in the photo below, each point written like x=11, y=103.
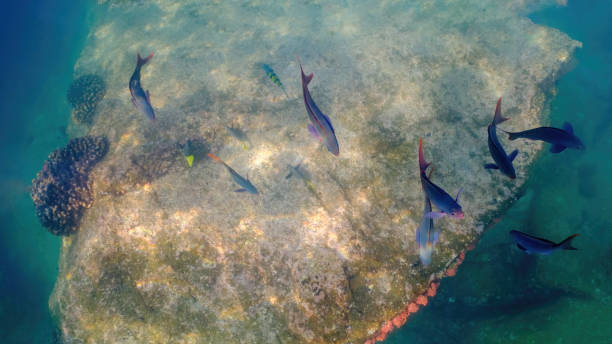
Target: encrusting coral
x=62, y=190
x=84, y=95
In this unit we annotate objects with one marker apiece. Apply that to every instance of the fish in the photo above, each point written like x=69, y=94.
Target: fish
x=503, y=162
x=141, y=98
x=531, y=244
x=275, y=79
x=244, y=183
x=188, y=152
x=559, y=138
x=426, y=235
x=239, y=135
x=320, y=126
x=440, y=198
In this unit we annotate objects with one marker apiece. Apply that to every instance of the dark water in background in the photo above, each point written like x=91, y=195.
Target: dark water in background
x=499, y=295
x=41, y=41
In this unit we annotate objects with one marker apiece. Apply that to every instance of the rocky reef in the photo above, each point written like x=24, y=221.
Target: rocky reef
x=62, y=189
x=171, y=254
x=84, y=94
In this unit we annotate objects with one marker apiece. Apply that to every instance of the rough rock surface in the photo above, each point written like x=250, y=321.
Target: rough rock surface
x=170, y=254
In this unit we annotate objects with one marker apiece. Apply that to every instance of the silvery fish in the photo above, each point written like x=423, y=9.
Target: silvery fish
x=531, y=244
x=503, y=162
x=560, y=138
x=240, y=180
x=320, y=126
x=141, y=98
x=440, y=198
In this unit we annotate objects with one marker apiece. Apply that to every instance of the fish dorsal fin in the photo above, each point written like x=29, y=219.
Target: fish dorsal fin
x=568, y=127
x=498, y=116
x=148, y=97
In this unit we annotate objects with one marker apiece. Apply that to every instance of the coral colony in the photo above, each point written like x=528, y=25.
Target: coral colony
x=62, y=190
x=84, y=95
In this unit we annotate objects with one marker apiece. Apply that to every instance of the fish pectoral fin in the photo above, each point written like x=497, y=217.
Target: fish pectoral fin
x=148, y=97
x=568, y=127
x=513, y=155
x=557, y=149
x=521, y=247
x=240, y=190
x=134, y=102
x=491, y=167
x=314, y=132
x=434, y=215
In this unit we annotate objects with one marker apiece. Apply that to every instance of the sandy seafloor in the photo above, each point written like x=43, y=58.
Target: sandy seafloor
x=513, y=298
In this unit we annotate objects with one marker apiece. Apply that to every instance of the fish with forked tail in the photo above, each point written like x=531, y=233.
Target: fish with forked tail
x=245, y=183
x=141, y=98
x=503, y=162
x=440, y=198
x=559, y=138
x=320, y=126
x=531, y=244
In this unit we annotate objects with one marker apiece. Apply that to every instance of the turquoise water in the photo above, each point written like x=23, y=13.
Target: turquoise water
x=499, y=294
x=41, y=42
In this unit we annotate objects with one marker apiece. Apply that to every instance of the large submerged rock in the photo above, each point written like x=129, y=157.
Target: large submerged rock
x=171, y=254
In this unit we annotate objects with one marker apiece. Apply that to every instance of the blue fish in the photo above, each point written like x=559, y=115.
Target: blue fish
x=240, y=180
x=320, y=126
x=140, y=98
x=440, y=198
x=275, y=79
x=503, y=162
x=560, y=138
x=426, y=236
x=531, y=244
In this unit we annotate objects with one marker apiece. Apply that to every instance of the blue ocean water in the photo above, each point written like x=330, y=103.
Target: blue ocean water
x=500, y=295
x=41, y=41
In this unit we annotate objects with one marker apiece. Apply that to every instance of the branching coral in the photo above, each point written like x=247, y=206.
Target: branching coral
x=84, y=95
x=62, y=190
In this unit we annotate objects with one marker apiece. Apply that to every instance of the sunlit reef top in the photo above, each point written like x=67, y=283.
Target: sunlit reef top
x=170, y=253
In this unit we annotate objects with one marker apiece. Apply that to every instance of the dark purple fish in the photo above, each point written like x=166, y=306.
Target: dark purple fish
x=440, y=198
x=531, y=244
x=560, y=138
x=320, y=126
x=503, y=162
x=141, y=98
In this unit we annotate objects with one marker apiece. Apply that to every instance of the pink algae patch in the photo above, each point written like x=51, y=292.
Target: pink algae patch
x=413, y=307
x=421, y=300
x=451, y=272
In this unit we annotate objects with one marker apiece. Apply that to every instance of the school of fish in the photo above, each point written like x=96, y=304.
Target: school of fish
x=321, y=128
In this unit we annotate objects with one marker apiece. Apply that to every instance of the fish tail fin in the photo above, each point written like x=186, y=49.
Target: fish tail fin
x=141, y=62
x=422, y=163
x=305, y=78
x=567, y=243
x=498, y=118
x=215, y=158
